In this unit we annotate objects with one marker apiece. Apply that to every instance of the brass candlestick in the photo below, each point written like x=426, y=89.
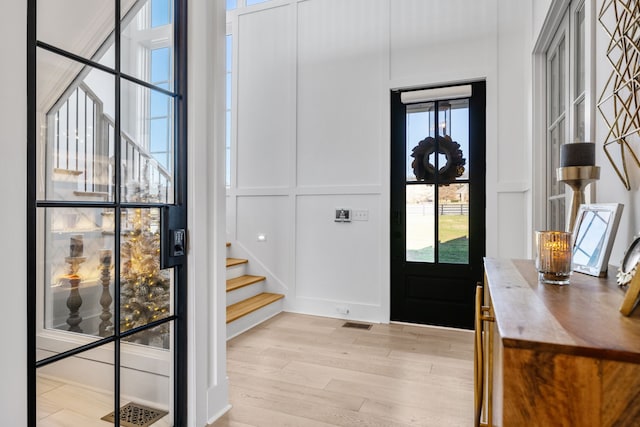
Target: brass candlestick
x=577, y=177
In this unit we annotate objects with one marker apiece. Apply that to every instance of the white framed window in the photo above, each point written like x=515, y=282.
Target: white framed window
x=564, y=110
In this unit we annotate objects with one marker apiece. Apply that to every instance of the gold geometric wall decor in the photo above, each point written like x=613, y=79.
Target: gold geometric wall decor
x=619, y=103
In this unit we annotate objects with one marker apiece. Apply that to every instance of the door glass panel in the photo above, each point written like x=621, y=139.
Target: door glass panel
x=75, y=140
x=453, y=224
x=76, y=276
x=453, y=146
x=580, y=52
x=147, y=43
x=420, y=236
x=557, y=139
x=147, y=148
x=145, y=290
x=147, y=381
x=86, y=23
x=76, y=391
x=420, y=128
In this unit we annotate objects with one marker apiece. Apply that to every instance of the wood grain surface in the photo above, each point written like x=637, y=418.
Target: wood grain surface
x=581, y=318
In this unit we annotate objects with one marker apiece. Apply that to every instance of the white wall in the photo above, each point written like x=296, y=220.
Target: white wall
x=208, y=385
x=312, y=90
x=13, y=122
x=610, y=188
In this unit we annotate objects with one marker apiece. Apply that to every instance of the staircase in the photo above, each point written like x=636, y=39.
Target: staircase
x=248, y=303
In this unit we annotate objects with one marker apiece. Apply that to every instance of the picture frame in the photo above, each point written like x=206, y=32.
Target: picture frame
x=627, y=275
x=593, y=235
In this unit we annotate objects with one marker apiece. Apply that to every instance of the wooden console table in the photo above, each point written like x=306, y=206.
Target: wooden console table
x=550, y=355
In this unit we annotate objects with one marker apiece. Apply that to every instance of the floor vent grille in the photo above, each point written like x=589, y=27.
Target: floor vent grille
x=355, y=325
x=136, y=415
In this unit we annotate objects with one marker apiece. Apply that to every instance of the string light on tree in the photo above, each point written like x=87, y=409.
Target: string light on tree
x=145, y=293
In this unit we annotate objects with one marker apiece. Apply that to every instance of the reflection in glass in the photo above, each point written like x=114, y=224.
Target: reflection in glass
x=147, y=42
x=420, y=236
x=71, y=127
x=76, y=391
x=453, y=224
x=94, y=17
x=420, y=125
x=145, y=289
x=147, y=144
x=590, y=237
x=77, y=271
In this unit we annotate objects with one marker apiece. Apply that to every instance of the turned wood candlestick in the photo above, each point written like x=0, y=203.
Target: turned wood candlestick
x=106, y=326
x=74, y=301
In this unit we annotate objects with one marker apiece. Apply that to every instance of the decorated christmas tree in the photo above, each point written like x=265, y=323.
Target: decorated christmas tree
x=145, y=289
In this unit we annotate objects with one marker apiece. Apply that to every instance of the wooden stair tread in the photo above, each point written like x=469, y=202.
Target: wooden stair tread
x=73, y=172
x=235, y=261
x=242, y=308
x=242, y=281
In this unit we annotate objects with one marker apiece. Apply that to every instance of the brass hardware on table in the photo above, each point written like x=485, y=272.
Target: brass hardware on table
x=483, y=314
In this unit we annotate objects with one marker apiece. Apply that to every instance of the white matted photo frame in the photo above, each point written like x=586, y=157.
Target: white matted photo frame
x=593, y=235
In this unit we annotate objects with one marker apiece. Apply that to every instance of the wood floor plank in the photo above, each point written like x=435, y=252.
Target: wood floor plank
x=392, y=375
x=242, y=308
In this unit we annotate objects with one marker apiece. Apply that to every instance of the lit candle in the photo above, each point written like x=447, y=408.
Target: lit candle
x=76, y=246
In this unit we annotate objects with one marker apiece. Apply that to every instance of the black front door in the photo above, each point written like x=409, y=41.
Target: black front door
x=437, y=203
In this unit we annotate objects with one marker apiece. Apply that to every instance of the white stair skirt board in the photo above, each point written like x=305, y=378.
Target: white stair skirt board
x=245, y=292
x=236, y=271
x=247, y=322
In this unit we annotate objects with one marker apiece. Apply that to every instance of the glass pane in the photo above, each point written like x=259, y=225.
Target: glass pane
x=420, y=236
x=75, y=109
x=147, y=44
x=232, y=4
x=580, y=135
x=580, y=57
x=160, y=12
x=87, y=25
x=76, y=391
x=252, y=2
x=557, y=139
x=147, y=149
x=77, y=276
x=147, y=381
x=420, y=141
x=145, y=290
x=453, y=123
x=553, y=87
x=453, y=224
x=561, y=77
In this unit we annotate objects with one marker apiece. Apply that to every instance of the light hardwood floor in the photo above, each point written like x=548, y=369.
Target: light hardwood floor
x=298, y=370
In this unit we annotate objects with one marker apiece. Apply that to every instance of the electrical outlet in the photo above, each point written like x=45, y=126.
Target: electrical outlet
x=361, y=215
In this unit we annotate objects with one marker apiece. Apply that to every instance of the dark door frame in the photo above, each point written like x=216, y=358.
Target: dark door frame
x=179, y=212
x=477, y=201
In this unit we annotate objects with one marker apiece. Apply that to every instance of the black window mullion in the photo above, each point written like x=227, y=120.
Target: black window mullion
x=118, y=216
x=436, y=190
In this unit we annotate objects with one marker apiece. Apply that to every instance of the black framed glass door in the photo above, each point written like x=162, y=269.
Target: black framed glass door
x=437, y=203
x=107, y=212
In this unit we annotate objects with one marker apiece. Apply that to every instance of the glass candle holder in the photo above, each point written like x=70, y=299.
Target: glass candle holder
x=553, y=257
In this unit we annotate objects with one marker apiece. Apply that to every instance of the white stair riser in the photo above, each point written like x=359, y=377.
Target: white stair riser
x=236, y=271
x=245, y=292
x=253, y=319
